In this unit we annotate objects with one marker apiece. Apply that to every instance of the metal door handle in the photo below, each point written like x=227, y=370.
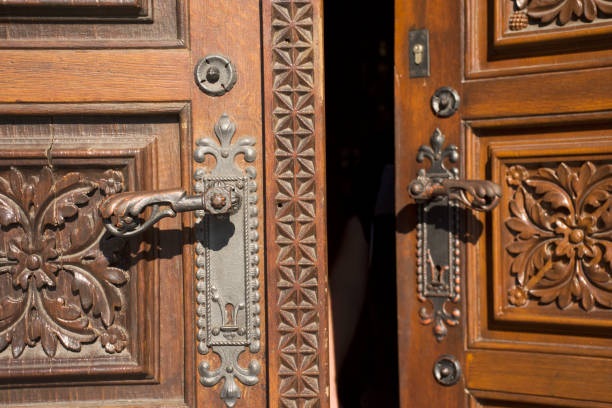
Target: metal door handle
x=438, y=191
x=227, y=252
x=121, y=212
x=479, y=195
x=439, y=182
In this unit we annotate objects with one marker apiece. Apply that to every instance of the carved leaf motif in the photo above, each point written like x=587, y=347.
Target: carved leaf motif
x=8, y=213
x=66, y=206
x=59, y=264
x=562, y=246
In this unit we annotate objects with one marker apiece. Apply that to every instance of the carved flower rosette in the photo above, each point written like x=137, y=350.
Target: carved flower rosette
x=57, y=284
x=561, y=222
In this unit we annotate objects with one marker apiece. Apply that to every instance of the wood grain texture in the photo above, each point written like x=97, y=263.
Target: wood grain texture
x=234, y=28
x=296, y=235
x=495, y=399
x=581, y=378
x=107, y=24
x=74, y=3
x=415, y=123
x=93, y=76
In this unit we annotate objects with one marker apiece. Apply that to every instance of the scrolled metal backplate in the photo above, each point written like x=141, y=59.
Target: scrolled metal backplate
x=438, y=191
x=438, y=266
x=227, y=262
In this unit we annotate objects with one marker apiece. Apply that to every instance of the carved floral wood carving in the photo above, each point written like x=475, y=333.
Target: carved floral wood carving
x=56, y=283
x=562, y=224
x=546, y=11
x=294, y=133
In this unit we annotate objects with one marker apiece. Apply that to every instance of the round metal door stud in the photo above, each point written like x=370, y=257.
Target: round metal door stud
x=215, y=75
x=447, y=370
x=445, y=102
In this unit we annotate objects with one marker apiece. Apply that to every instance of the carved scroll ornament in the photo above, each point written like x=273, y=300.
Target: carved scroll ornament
x=56, y=284
x=546, y=11
x=562, y=224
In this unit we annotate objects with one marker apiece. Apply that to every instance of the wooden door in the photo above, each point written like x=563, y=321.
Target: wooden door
x=531, y=320
x=99, y=98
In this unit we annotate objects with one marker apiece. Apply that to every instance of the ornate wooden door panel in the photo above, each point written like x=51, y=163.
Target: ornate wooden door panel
x=99, y=99
x=531, y=320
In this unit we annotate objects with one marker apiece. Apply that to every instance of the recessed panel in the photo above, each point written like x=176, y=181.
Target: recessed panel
x=92, y=24
x=519, y=36
x=547, y=267
x=77, y=305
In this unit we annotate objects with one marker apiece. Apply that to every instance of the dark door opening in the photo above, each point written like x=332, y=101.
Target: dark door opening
x=361, y=228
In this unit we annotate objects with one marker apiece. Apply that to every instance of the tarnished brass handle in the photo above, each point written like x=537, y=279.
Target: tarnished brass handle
x=438, y=191
x=122, y=212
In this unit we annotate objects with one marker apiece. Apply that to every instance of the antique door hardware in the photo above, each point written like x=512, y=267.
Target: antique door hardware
x=419, y=53
x=445, y=102
x=438, y=192
x=121, y=212
x=222, y=196
x=215, y=75
x=447, y=370
x=226, y=250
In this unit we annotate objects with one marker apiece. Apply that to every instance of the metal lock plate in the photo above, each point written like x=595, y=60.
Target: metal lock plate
x=419, y=53
x=215, y=75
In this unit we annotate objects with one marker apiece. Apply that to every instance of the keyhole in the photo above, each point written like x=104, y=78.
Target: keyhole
x=229, y=314
x=418, y=50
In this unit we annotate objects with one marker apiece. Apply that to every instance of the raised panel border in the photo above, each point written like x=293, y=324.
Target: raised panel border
x=58, y=11
x=573, y=36
x=496, y=399
x=182, y=111
x=485, y=328
x=146, y=15
x=579, y=381
x=491, y=51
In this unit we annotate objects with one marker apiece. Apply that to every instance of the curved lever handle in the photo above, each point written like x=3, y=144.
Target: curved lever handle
x=436, y=191
x=439, y=182
x=121, y=212
x=226, y=250
x=479, y=195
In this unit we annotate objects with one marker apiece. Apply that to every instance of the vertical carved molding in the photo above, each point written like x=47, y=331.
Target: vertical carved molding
x=297, y=304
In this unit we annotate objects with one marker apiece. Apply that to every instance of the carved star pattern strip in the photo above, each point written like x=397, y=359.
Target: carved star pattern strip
x=293, y=127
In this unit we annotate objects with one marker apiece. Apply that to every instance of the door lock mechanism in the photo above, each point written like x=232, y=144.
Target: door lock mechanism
x=419, y=53
x=227, y=252
x=438, y=192
x=418, y=50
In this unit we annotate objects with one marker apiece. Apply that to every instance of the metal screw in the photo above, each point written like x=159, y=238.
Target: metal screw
x=213, y=74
